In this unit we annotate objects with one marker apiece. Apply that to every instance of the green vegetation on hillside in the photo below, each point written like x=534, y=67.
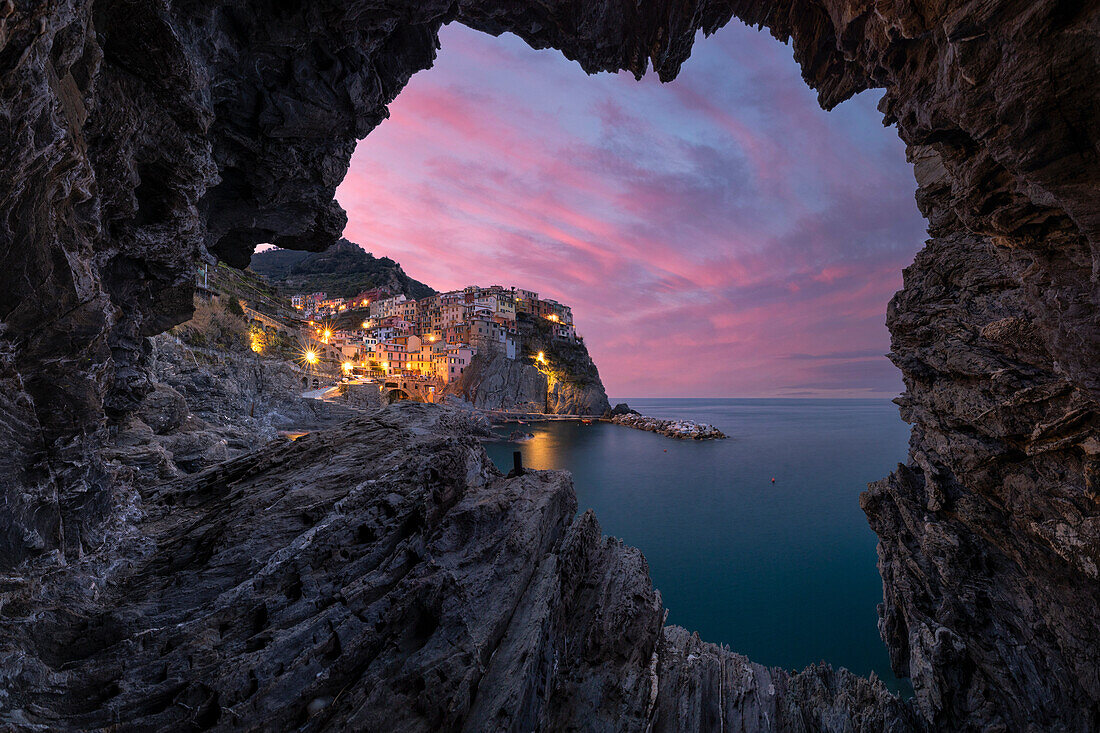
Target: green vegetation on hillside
x=341, y=271
x=251, y=288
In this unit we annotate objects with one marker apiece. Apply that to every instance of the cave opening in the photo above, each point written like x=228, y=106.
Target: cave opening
x=195, y=129
x=718, y=236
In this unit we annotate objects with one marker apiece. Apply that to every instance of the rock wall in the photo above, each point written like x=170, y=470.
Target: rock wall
x=566, y=382
x=142, y=136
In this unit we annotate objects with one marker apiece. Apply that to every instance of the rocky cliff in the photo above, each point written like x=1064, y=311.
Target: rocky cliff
x=141, y=137
x=568, y=383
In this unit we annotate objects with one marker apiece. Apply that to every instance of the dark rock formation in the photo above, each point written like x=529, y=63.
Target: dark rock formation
x=211, y=405
x=141, y=137
x=494, y=382
x=343, y=271
x=989, y=536
x=621, y=409
x=385, y=576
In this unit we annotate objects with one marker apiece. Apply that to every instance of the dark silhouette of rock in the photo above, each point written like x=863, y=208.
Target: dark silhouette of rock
x=141, y=138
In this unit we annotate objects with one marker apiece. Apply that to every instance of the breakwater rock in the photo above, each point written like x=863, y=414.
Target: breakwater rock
x=682, y=429
x=383, y=575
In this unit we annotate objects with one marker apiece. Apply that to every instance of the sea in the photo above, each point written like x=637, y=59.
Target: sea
x=782, y=571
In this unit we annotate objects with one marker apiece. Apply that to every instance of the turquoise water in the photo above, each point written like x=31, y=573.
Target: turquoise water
x=785, y=572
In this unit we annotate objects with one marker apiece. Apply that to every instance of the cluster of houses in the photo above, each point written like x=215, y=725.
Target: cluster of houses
x=319, y=305
x=431, y=338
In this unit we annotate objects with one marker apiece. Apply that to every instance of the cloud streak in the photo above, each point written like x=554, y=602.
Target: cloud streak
x=716, y=236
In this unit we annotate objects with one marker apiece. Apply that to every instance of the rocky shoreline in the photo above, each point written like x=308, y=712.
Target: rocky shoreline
x=398, y=582
x=679, y=429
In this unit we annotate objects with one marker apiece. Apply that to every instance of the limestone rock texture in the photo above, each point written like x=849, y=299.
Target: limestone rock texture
x=141, y=136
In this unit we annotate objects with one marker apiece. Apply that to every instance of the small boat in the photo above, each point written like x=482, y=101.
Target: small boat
x=586, y=421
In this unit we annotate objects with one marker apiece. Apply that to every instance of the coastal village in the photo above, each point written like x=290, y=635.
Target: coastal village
x=419, y=348
x=428, y=341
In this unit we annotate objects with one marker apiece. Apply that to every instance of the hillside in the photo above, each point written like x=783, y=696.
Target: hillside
x=343, y=270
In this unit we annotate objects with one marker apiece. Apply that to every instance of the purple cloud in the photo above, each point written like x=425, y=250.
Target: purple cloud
x=716, y=236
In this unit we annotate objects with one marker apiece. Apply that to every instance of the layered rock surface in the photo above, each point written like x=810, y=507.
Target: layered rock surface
x=989, y=540
x=384, y=576
x=211, y=405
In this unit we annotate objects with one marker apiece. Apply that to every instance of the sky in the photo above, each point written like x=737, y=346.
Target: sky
x=716, y=236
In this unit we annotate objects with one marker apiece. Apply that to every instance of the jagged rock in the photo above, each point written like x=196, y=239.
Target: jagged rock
x=164, y=409
x=990, y=533
x=211, y=405
x=621, y=409
x=396, y=582
x=494, y=382
x=707, y=687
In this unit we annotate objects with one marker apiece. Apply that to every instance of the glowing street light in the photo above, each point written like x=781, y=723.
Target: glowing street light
x=541, y=358
x=348, y=367
x=364, y=324
x=311, y=356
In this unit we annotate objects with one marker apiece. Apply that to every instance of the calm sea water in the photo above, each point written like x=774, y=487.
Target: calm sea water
x=785, y=572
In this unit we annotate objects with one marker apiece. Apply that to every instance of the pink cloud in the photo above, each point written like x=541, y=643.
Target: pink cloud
x=703, y=233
